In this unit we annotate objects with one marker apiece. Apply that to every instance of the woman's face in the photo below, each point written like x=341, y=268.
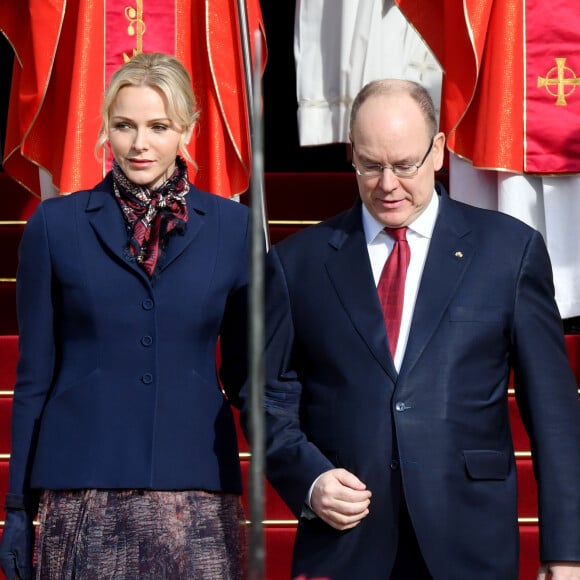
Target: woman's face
x=144, y=140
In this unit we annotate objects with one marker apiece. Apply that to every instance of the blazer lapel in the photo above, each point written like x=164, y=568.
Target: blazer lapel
x=108, y=223
x=350, y=272
x=196, y=220
x=450, y=253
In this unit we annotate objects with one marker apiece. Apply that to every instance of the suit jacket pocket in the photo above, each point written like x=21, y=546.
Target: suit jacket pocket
x=486, y=464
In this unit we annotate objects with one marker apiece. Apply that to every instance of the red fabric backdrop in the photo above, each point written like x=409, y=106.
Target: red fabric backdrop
x=64, y=53
x=495, y=109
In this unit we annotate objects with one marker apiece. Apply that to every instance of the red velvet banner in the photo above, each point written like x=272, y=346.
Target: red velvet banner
x=552, y=139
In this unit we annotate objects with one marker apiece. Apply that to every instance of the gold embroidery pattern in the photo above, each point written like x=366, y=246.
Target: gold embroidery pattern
x=135, y=28
x=563, y=78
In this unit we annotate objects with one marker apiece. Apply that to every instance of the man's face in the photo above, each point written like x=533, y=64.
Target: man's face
x=391, y=130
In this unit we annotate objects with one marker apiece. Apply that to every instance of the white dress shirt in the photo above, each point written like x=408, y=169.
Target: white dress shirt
x=379, y=246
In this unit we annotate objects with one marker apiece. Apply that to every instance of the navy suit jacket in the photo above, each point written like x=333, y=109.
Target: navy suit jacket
x=439, y=430
x=116, y=382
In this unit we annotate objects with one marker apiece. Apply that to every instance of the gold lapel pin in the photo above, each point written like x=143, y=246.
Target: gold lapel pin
x=459, y=254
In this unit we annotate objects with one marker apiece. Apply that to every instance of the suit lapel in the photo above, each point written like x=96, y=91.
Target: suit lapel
x=351, y=275
x=450, y=253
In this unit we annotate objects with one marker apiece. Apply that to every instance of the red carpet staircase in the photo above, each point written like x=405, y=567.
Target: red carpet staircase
x=294, y=201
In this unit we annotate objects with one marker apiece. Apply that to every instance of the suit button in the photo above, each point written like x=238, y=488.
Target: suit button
x=394, y=465
x=147, y=378
x=147, y=304
x=400, y=406
x=146, y=340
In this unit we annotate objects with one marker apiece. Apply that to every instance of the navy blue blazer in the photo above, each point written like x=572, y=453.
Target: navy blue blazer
x=439, y=430
x=116, y=383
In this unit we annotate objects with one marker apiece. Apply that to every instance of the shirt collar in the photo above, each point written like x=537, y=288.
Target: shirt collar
x=423, y=225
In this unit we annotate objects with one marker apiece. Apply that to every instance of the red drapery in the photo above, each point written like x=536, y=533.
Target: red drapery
x=495, y=53
x=64, y=54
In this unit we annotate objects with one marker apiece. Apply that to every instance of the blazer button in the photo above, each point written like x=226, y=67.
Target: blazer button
x=146, y=340
x=400, y=406
x=147, y=304
x=394, y=465
x=147, y=378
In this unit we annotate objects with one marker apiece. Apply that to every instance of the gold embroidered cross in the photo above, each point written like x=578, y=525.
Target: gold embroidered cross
x=563, y=77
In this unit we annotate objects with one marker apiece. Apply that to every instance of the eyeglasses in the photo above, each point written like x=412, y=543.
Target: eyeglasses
x=399, y=169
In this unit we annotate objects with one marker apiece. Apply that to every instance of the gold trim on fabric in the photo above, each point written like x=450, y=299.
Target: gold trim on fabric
x=7, y=280
x=13, y=47
x=477, y=68
x=243, y=93
x=13, y=222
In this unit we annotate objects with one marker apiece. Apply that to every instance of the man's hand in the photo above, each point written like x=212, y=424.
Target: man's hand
x=559, y=571
x=340, y=499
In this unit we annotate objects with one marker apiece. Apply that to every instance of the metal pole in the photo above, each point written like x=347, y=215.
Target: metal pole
x=250, y=80
x=257, y=332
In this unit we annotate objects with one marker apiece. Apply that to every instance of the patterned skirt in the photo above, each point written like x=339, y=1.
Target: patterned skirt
x=140, y=535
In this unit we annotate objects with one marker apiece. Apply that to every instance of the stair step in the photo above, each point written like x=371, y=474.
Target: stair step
x=279, y=540
x=8, y=323
x=279, y=532
x=519, y=435
x=279, y=527
x=274, y=506
x=276, y=509
x=17, y=202
x=308, y=196
x=279, y=231
x=10, y=235
x=8, y=360
x=5, y=413
x=529, y=551
x=527, y=489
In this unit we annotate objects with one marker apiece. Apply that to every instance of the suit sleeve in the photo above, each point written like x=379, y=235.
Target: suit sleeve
x=547, y=397
x=293, y=463
x=34, y=297
x=234, y=327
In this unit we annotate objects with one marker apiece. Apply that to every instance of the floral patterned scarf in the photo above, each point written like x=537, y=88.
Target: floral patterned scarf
x=152, y=216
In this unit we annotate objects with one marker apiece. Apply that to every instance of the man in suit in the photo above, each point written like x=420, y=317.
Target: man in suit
x=401, y=465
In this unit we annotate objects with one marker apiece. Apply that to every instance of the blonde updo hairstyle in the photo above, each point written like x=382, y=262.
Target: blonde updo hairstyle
x=162, y=72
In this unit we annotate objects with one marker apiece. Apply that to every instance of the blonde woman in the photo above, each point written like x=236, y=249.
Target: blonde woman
x=120, y=424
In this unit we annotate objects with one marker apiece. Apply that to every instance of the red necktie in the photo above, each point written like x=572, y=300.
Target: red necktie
x=391, y=287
